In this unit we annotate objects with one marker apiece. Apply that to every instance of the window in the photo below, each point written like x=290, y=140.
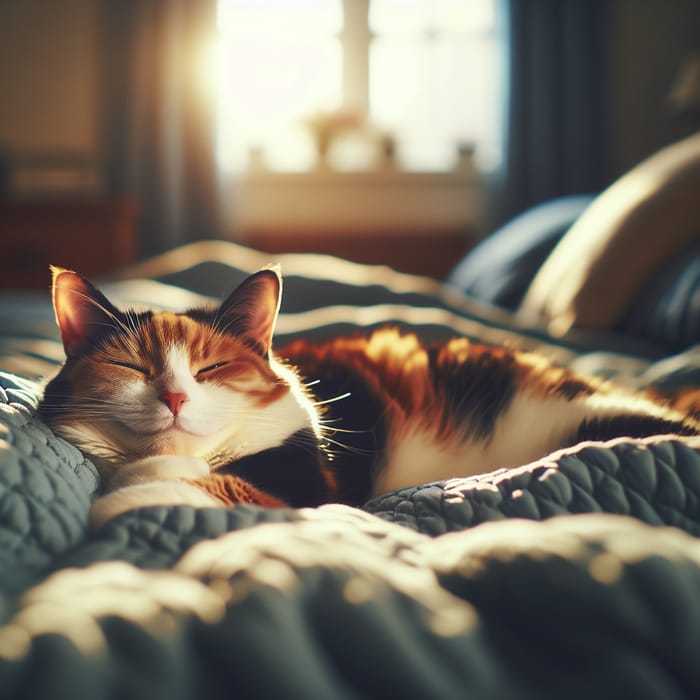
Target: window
x=423, y=71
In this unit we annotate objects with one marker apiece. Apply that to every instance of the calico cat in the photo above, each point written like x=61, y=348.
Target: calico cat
x=195, y=407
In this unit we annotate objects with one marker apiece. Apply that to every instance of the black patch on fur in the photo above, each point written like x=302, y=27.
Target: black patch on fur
x=362, y=414
x=355, y=425
x=56, y=395
x=293, y=471
x=476, y=392
x=232, y=325
x=634, y=426
x=206, y=317
x=129, y=321
x=572, y=387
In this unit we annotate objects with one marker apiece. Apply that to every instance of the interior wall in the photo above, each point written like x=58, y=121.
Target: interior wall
x=48, y=75
x=650, y=40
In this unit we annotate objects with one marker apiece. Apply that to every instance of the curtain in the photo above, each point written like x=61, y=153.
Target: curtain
x=554, y=129
x=159, y=117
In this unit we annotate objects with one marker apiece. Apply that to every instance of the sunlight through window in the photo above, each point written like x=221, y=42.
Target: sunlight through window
x=422, y=71
x=432, y=68
x=278, y=63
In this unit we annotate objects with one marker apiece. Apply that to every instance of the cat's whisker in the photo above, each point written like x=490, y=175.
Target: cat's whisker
x=95, y=399
x=222, y=323
x=132, y=323
x=325, y=402
x=84, y=409
x=118, y=323
x=346, y=431
x=348, y=448
x=309, y=446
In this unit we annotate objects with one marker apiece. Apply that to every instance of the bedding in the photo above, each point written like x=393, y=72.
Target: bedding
x=611, y=252
x=576, y=576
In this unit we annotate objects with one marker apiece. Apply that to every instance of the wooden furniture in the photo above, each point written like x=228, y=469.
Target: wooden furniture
x=92, y=235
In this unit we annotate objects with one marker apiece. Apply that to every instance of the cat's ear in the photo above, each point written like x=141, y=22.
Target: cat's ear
x=82, y=312
x=251, y=309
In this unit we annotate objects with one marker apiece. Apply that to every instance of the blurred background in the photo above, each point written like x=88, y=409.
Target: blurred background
x=387, y=131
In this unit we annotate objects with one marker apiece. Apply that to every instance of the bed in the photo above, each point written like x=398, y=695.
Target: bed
x=576, y=576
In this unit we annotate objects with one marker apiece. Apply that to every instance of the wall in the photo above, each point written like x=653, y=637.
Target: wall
x=650, y=40
x=48, y=75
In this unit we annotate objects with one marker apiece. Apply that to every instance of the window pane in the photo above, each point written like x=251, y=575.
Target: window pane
x=464, y=78
x=464, y=16
x=266, y=85
x=425, y=16
x=432, y=80
x=432, y=96
x=402, y=96
x=285, y=17
x=278, y=61
x=436, y=90
x=398, y=16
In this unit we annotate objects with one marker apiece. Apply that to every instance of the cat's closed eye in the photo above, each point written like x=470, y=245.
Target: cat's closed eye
x=211, y=368
x=134, y=367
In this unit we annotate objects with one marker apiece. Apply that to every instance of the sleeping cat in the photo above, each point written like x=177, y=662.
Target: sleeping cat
x=195, y=408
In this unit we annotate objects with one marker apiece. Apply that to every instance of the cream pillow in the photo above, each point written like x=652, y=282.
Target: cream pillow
x=606, y=257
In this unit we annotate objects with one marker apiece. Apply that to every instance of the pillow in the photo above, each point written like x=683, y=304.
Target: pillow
x=595, y=272
x=668, y=311
x=499, y=269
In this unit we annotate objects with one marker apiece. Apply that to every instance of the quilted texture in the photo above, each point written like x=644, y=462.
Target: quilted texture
x=657, y=482
x=45, y=488
x=341, y=605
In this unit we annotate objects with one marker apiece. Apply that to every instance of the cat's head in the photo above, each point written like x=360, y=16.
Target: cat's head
x=202, y=382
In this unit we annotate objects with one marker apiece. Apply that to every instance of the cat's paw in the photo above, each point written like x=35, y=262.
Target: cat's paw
x=154, y=493
x=158, y=468
x=153, y=481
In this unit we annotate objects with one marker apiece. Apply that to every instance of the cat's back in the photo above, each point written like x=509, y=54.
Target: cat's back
x=417, y=411
x=430, y=411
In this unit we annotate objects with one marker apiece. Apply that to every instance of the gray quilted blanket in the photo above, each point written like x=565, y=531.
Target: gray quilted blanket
x=578, y=576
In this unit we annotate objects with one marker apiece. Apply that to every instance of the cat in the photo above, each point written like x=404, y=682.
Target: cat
x=196, y=408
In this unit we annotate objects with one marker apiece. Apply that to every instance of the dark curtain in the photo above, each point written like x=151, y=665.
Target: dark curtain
x=158, y=117
x=555, y=137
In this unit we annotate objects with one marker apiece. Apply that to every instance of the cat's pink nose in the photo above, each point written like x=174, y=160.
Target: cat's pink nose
x=173, y=400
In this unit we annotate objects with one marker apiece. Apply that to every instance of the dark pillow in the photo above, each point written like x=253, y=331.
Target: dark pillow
x=668, y=310
x=499, y=269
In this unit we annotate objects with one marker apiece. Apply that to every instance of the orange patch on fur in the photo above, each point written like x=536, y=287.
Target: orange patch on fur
x=232, y=490
x=395, y=365
x=543, y=378
x=242, y=368
x=683, y=399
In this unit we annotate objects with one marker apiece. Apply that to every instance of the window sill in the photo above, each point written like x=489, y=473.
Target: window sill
x=338, y=203
x=421, y=223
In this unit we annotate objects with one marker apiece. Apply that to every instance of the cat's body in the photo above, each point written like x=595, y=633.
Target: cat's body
x=194, y=407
